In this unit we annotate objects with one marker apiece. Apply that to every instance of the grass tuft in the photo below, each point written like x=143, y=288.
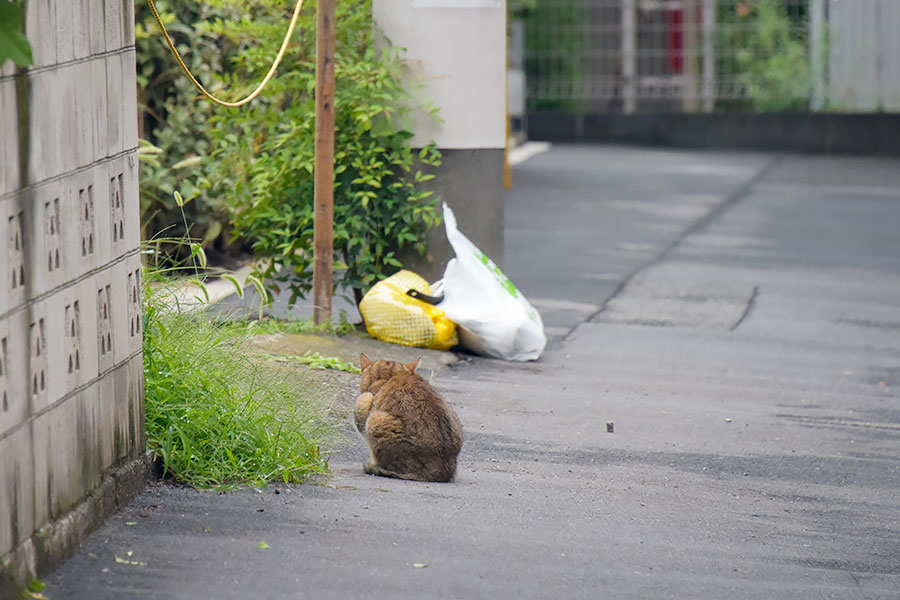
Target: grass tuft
x=219, y=414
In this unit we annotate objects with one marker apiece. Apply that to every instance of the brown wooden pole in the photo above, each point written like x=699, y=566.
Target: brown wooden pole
x=323, y=195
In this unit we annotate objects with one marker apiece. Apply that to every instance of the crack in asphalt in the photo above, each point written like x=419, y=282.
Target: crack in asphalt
x=703, y=222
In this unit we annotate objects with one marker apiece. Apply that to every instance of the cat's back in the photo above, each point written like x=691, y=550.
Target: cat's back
x=408, y=392
x=425, y=416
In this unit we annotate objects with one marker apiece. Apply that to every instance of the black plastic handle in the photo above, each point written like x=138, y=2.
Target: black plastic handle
x=425, y=297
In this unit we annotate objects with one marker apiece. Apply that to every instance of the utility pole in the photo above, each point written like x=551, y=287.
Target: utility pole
x=323, y=195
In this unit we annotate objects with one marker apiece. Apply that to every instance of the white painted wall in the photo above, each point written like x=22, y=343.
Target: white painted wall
x=457, y=49
x=864, y=58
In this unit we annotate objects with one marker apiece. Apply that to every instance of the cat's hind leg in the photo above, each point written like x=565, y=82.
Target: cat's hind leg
x=362, y=410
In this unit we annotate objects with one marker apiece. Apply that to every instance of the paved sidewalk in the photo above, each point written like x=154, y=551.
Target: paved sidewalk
x=735, y=317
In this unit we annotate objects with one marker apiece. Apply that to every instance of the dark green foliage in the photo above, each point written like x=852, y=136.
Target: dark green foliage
x=13, y=44
x=766, y=45
x=264, y=155
x=554, y=53
x=173, y=122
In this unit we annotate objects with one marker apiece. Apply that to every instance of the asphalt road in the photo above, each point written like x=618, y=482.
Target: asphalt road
x=735, y=317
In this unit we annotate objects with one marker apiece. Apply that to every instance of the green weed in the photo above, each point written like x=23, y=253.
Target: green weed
x=317, y=361
x=219, y=414
x=269, y=325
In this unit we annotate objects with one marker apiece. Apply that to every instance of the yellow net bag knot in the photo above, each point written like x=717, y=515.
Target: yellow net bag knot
x=391, y=315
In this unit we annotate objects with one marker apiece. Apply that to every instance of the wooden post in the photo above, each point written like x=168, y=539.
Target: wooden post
x=323, y=195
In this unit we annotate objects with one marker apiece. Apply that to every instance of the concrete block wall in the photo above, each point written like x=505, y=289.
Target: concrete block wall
x=71, y=389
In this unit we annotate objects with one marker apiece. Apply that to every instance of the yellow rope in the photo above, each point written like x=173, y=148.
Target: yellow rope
x=197, y=84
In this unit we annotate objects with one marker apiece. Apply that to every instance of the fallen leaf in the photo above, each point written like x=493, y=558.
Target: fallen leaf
x=131, y=522
x=134, y=563
x=262, y=545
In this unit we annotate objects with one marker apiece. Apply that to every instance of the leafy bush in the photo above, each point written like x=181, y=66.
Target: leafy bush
x=554, y=47
x=769, y=48
x=218, y=413
x=263, y=154
x=13, y=43
x=173, y=124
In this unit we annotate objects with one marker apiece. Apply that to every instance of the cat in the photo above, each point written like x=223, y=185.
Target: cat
x=412, y=433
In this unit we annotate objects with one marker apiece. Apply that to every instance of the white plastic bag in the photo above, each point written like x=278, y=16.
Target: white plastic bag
x=493, y=317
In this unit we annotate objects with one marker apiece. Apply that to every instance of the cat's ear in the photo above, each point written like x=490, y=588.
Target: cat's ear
x=411, y=367
x=364, y=361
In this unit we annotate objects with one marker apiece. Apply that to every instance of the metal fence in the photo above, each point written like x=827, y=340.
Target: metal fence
x=708, y=55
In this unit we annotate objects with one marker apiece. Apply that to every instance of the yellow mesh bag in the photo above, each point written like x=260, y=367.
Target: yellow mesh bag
x=393, y=316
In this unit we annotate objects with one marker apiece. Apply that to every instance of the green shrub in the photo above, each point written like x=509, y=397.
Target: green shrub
x=554, y=49
x=173, y=124
x=263, y=156
x=765, y=45
x=217, y=412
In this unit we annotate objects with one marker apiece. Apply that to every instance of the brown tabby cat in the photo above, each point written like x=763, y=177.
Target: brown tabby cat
x=411, y=431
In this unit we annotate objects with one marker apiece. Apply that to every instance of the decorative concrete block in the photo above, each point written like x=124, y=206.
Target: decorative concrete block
x=37, y=360
x=16, y=274
x=115, y=95
x=120, y=326
x=76, y=364
x=9, y=125
x=5, y=289
x=99, y=108
x=105, y=322
x=86, y=294
x=117, y=177
x=44, y=240
x=103, y=235
x=80, y=232
x=135, y=324
x=15, y=358
x=46, y=381
x=40, y=29
x=131, y=202
x=8, y=405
